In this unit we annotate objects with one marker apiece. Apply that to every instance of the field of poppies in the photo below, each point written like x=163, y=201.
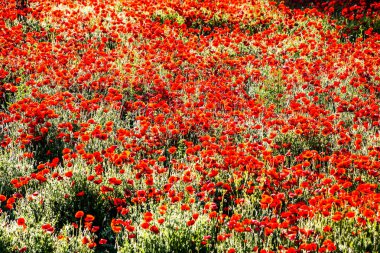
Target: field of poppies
x=189, y=126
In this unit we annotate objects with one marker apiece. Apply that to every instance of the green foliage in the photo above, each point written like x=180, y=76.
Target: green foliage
x=5, y=240
x=90, y=203
x=12, y=166
x=296, y=144
x=174, y=236
x=270, y=90
x=71, y=241
x=14, y=238
x=352, y=236
x=171, y=15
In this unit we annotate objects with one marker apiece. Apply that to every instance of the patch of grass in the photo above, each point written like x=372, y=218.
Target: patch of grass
x=171, y=15
x=174, y=236
x=12, y=166
x=296, y=144
x=270, y=90
x=5, y=240
x=13, y=238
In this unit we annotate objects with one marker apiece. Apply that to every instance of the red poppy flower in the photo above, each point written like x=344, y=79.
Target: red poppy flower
x=102, y=241
x=89, y=218
x=79, y=214
x=172, y=150
x=154, y=229
x=145, y=225
x=21, y=221
x=2, y=198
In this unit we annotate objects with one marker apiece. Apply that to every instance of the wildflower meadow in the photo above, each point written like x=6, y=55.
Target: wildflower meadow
x=189, y=126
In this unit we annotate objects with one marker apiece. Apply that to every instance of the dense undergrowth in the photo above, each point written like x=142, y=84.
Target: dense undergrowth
x=189, y=126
